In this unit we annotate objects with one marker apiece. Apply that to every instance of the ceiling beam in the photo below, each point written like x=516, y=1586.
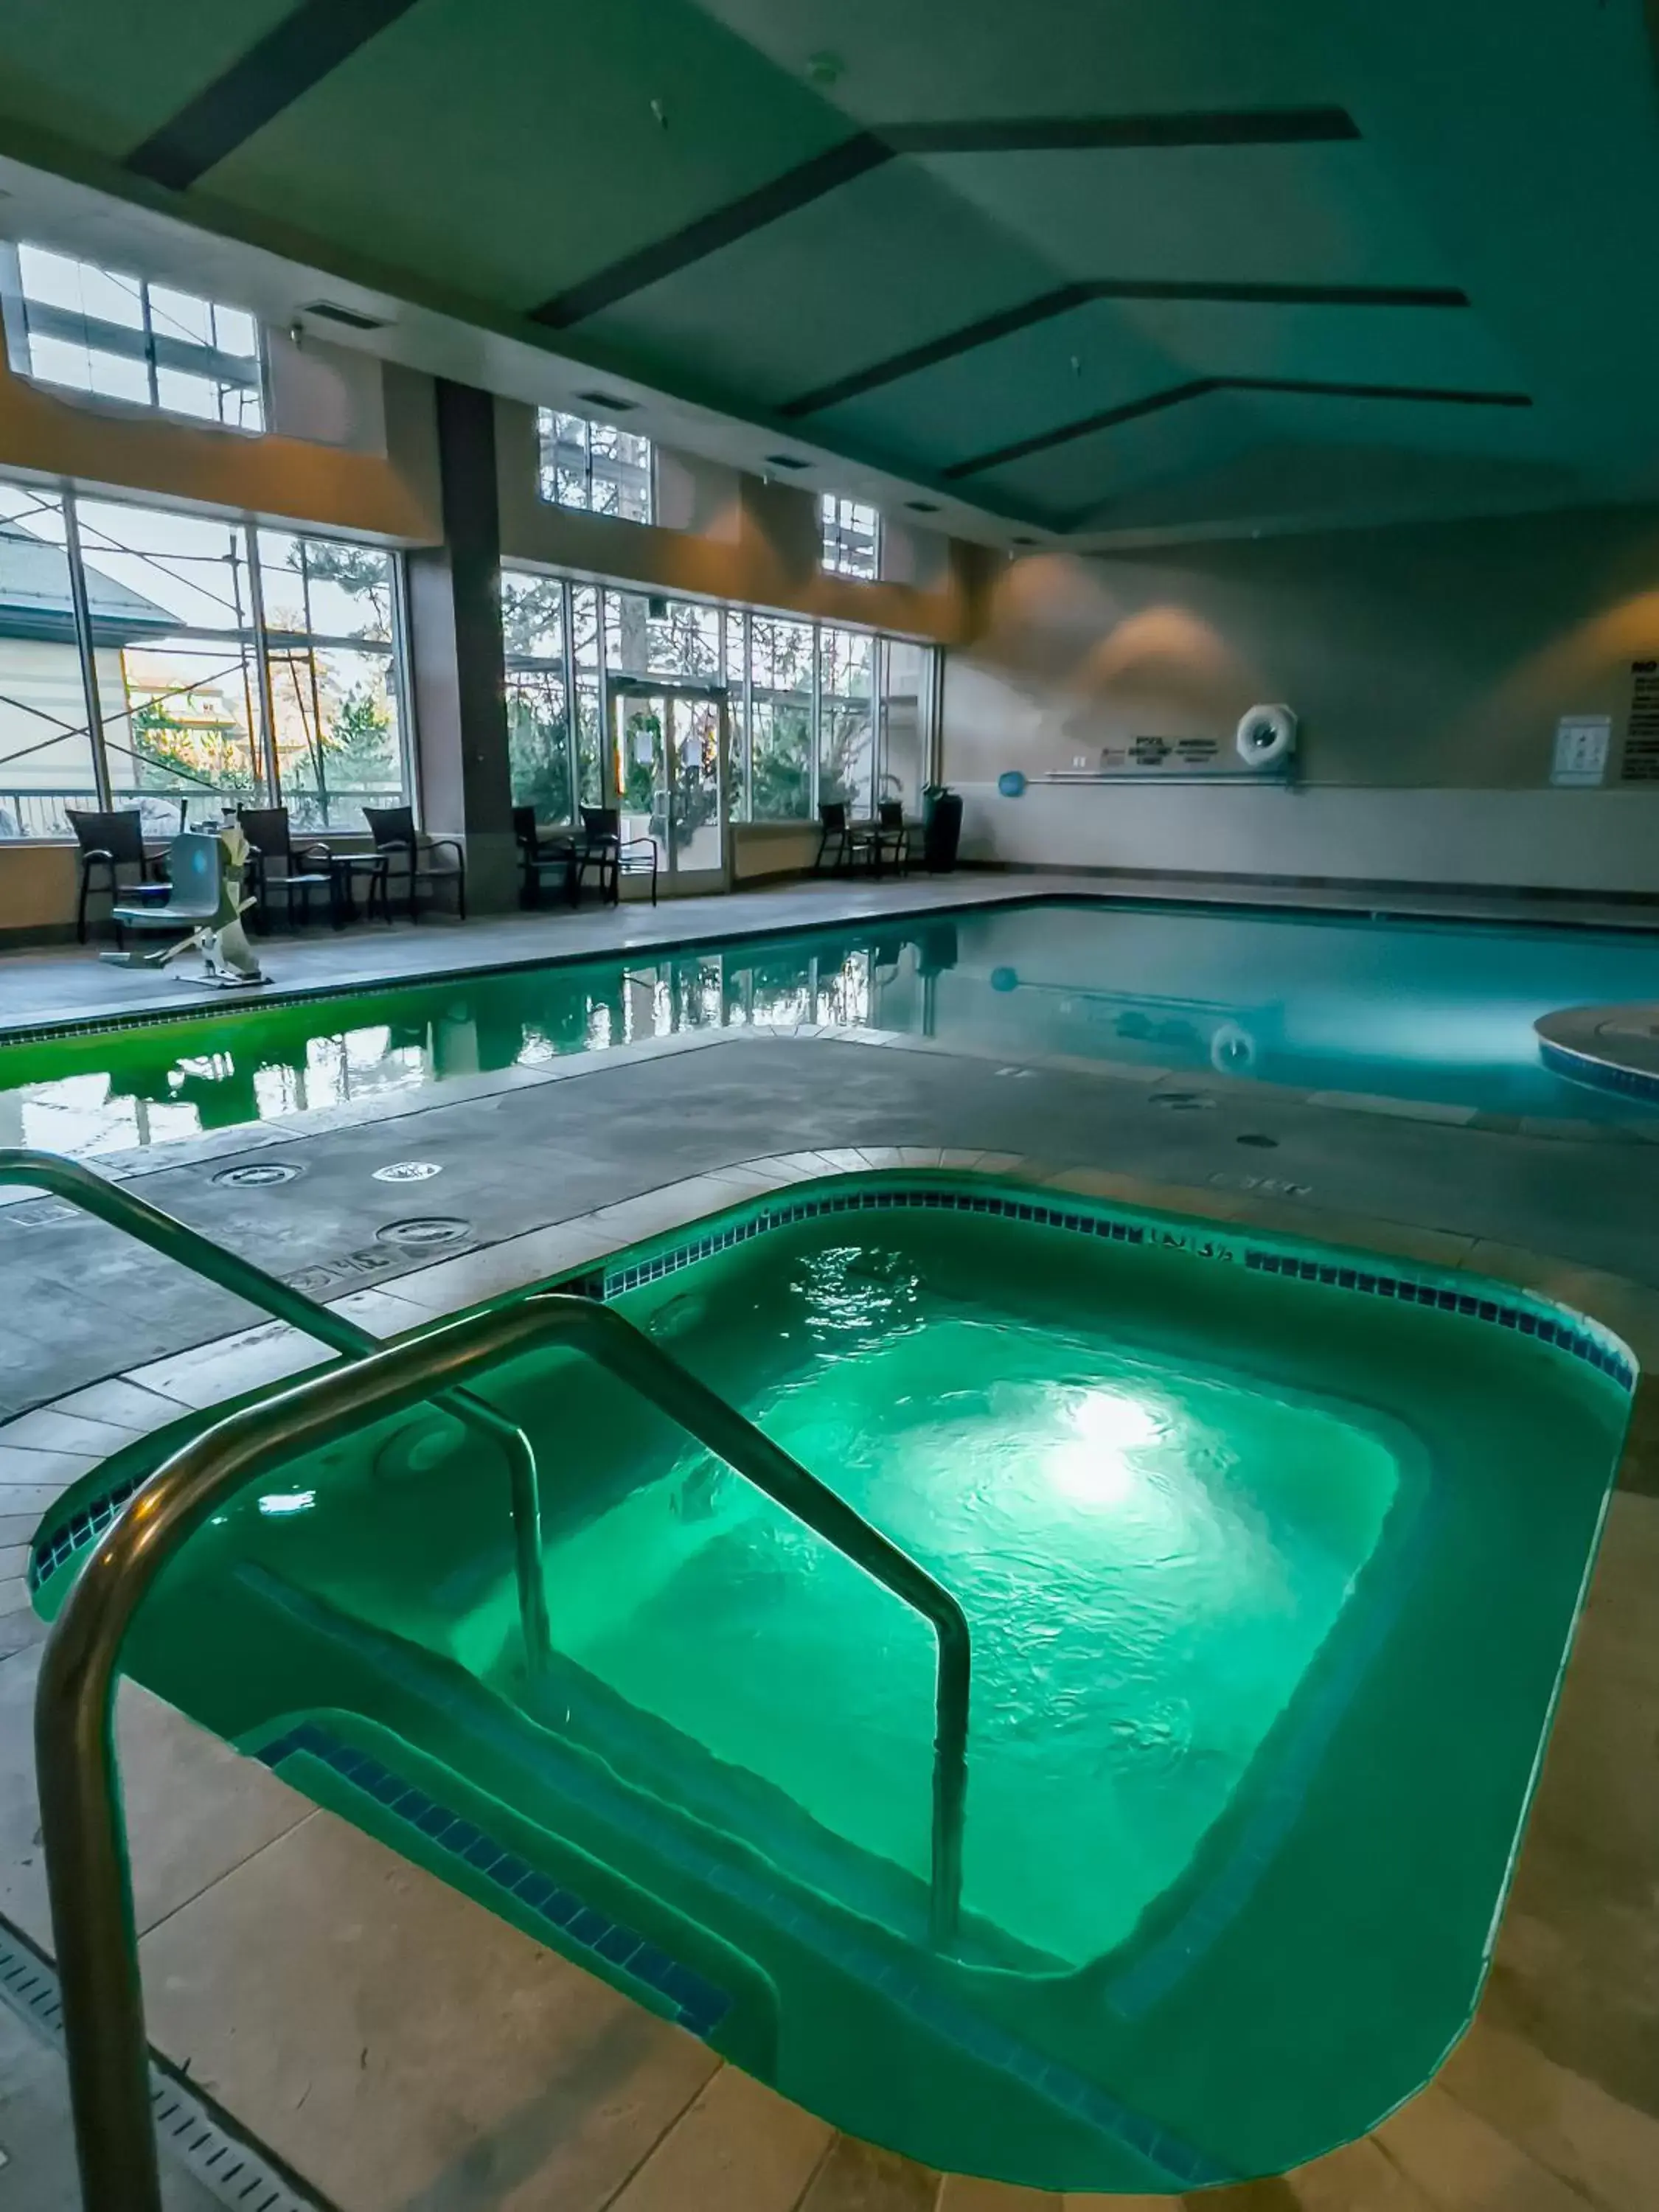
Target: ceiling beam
x=871, y=150
x=1069, y=297
x=1177, y=395
x=295, y=55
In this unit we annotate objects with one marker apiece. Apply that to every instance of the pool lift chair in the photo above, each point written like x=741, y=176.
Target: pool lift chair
x=205, y=899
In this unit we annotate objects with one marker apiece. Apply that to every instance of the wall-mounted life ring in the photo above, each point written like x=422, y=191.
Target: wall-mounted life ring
x=1267, y=735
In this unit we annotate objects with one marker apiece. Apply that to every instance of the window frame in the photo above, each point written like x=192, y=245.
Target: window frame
x=155, y=351
x=548, y=446
x=839, y=523
x=738, y=620
x=103, y=718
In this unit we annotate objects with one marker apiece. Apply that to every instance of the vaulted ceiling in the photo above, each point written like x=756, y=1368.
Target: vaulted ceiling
x=1100, y=268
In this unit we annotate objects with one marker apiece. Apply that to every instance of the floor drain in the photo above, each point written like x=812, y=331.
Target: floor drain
x=408, y=1171
x=423, y=1236
x=229, y=2170
x=257, y=1176
x=1182, y=1101
x=1262, y=1144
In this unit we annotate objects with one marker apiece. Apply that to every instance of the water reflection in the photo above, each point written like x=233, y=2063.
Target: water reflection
x=114, y=1090
x=1406, y=1010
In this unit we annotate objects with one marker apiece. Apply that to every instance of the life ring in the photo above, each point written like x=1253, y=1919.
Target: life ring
x=1267, y=735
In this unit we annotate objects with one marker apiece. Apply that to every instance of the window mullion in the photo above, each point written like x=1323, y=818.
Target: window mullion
x=256, y=595
x=85, y=644
x=573, y=751
x=149, y=345
x=816, y=722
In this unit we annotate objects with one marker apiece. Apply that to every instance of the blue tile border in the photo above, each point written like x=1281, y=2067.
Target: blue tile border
x=48, y=1554
x=1586, y=1342
x=1597, y=1074
x=698, y=2004
x=1582, y=1339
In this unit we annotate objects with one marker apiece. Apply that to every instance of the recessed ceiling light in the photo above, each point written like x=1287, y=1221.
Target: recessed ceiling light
x=922, y=506
x=786, y=461
x=353, y=317
x=609, y=402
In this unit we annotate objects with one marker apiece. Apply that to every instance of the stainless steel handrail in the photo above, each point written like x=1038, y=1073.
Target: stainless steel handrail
x=83, y=1828
x=123, y=1208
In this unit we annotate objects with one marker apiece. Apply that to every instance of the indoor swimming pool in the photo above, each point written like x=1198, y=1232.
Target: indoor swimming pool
x=1395, y=1009
x=1270, y=1555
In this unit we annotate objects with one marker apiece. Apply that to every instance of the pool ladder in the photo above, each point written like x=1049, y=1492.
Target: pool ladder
x=82, y=1827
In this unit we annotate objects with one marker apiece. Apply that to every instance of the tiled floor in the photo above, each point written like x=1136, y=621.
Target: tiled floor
x=403, y=2050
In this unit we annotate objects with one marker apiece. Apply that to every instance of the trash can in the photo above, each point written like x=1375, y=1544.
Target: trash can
x=941, y=829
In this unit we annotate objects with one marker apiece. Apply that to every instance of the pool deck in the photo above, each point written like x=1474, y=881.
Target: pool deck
x=401, y=2049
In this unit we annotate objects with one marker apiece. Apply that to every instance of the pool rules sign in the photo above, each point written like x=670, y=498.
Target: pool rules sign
x=1580, y=759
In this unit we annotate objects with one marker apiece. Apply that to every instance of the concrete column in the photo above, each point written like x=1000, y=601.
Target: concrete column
x=455, y=655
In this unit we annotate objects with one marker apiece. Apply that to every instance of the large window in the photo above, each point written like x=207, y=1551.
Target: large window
x=779, y=723
x=905, y=710
x=538, y=731
x=46, y=760
x=550, y=633
x=817, y=713
x=208, y=664
x=331, y=616
x=593, y=466
x=845, y=720
x=852, y=537
x=116, y=337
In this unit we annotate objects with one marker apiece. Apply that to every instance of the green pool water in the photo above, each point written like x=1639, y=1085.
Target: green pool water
x=1270, y=1584
x=1405, y=1009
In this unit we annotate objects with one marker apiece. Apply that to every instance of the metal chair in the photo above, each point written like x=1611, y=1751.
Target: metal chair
x=601, y=845
x=835, y=852
x=393, y=829
x=270, y=843
x=890, y=843
x=111, y=842
x=540, y=857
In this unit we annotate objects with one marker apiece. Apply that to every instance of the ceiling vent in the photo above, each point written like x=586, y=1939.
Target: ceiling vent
x=607, y=403
x=922, y=506
x=352, y=318
x=786, y=461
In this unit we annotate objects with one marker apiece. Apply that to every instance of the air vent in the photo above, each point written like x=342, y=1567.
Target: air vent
x=607, y=403
x=922, y=506
x=786, y=461
x=352, y=318
x=1022, y=541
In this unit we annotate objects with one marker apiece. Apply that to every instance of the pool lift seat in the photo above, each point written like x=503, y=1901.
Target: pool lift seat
x=204, y=899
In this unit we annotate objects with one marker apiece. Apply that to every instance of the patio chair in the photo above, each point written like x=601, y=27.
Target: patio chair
x=109, y=844
x=540, y=857
x=601, y=845
x=410, y=855
x=275, y=865
x=840, y=846
x=890, y=843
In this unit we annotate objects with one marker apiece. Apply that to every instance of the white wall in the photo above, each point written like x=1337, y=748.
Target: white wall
x=1585, y=841
x=1429, y=666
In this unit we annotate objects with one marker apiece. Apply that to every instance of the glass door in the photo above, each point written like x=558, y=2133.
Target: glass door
x=669, y=745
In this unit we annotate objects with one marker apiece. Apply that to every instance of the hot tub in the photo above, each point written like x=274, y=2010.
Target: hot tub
x=1271, y=1557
